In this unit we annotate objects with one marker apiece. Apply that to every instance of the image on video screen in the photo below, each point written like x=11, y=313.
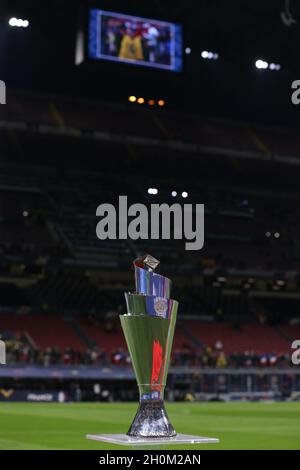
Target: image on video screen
x=141, y=41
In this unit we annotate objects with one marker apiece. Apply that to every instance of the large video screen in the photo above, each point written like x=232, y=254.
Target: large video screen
x=134, y=40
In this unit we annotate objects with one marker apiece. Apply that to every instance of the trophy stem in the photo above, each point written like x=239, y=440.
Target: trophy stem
x=151, y=420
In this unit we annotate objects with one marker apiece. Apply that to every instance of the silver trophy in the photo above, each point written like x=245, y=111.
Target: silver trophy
x=148, y=327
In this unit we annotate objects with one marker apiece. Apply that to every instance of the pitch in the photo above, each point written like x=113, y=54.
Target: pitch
x=63, y=426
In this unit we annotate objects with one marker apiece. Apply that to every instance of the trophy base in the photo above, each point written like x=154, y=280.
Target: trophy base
x=151, y=420
x=156, y=442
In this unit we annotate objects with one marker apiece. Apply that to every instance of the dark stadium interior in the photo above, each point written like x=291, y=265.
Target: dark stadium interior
x=70, y=140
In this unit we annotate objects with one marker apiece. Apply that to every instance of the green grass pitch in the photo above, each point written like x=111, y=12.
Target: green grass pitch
x=63, y=426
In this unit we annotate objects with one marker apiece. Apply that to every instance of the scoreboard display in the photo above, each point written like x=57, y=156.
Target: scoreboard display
x=134, y=40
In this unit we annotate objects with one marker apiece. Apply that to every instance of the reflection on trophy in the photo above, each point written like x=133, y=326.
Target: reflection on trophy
x=149, y=327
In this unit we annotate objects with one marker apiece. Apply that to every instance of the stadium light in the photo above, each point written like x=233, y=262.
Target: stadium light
x=132, y=98
x=276, y=235
x=209, y=55
x=18, y=22
x=174, y=193
x=161, y=102
x=188, y=50
x=184, y=194
x=273, y=66
x=268, y=234
x=151, y=102
x=13, y=22
x=261, y=64
x=152, y=191
x=141, y=100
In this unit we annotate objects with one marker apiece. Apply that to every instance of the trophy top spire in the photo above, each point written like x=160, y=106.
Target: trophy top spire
x=146, y=262
x=149, y=282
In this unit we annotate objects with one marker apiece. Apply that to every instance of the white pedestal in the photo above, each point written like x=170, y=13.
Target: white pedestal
x=138, y=442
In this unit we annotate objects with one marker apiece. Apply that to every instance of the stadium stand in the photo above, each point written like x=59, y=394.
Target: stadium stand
x=67, y=288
